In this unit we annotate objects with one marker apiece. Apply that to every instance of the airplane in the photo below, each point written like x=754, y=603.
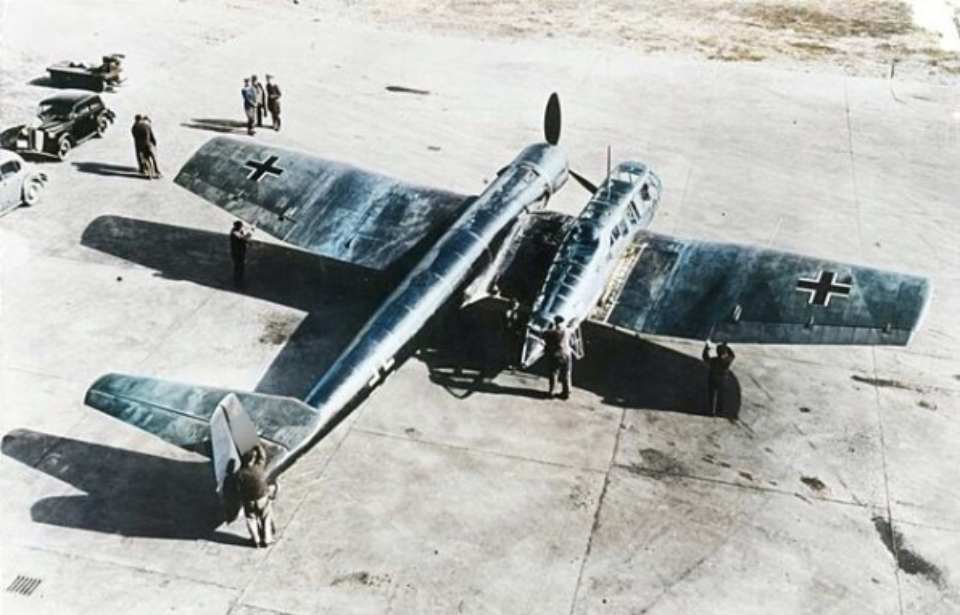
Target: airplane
x=604, y=265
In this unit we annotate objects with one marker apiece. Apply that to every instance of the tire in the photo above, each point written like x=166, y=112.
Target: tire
x=64, y=145
x=103, y=122
x=32, y=190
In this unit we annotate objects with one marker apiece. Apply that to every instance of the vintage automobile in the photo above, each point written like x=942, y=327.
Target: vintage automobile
x=19, y=183
x=63, y=121
x=68, y=74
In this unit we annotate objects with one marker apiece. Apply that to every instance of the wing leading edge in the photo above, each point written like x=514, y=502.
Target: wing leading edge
x=702, y=290
x=326, y=207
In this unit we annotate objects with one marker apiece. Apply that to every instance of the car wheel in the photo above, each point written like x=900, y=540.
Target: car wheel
x=102, y=124
x=32, y=190
x=63, y=147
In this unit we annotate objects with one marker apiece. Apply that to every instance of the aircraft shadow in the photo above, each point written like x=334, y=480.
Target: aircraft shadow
x=125, y=492
x=109, y=170
x=466, y=353
x=337, y=297
x=216, y=125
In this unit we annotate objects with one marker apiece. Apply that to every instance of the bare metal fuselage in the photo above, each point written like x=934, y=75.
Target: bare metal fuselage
x=622, y=207
x=537, y=172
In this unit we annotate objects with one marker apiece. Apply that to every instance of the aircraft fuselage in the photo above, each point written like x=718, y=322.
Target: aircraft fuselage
x=524, y=185
x=623, y=206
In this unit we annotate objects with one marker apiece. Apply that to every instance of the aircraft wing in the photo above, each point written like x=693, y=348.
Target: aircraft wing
x=701, y=290
x=329, y=208
x=181, y=413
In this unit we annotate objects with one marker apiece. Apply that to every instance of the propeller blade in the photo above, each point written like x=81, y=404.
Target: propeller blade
x=551, y=120
x=586, y=183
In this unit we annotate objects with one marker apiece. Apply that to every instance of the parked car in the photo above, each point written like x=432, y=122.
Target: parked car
x=63, y=121
x=19, y=182
x=105, y=76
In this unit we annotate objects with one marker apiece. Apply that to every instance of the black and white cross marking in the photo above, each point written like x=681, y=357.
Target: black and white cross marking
x=260, y=169
x=823, y=288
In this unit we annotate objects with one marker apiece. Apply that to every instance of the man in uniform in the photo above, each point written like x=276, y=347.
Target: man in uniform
x=273, y=101
x=144, y=143
x=261, y=99
x=239, y=238
x=559, y=357
x=254, y=492
x=718, y=366
x=249, y=95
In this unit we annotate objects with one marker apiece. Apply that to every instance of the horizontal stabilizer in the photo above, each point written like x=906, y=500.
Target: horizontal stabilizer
x=180, y=413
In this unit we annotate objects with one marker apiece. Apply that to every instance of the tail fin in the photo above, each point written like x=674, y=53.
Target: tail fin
x=181, y=414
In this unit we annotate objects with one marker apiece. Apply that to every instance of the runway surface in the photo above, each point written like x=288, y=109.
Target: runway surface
x=454, y=489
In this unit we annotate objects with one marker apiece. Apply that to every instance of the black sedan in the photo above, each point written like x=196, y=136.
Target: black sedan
x=63, y=121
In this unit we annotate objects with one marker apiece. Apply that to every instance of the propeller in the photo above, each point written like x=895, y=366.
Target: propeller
x=551, y=120
x=583, y=181
x=551, y=133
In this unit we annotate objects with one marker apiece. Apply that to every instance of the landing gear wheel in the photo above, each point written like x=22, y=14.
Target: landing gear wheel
x=63, y=147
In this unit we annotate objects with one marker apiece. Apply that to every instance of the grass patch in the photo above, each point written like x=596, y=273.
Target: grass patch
x=735, y=53
x=886, y=19
x=813, y=49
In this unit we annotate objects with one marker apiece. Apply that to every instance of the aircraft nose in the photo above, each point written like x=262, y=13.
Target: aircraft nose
x=532, y=349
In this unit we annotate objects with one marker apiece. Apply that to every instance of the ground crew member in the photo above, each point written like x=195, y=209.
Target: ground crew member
x=718, y=366
x=239, y=238
x=249, y=95
x=261, y=98
x=255, y=496
x=559, y=356
x=273, y=101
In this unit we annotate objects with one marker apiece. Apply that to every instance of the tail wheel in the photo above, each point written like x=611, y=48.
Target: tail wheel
x=102, y=124
x=64, y=145
x=31, y=191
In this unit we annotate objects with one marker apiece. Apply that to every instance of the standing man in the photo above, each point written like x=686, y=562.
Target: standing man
x=273, y=101
x=150, y=148
x=249, y=95
x=718, y=366
x=261, y=98
x=239, y=238
x=138, y=141
x=254, y=493
x=559, y=356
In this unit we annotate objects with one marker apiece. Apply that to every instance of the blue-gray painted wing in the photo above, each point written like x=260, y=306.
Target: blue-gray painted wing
x=180, y=413
x=700, y=290
x=326, y=207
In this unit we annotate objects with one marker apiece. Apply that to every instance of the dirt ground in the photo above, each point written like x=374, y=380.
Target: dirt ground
x=859, y=37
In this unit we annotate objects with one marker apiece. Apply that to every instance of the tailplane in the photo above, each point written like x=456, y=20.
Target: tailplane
x=219, y=423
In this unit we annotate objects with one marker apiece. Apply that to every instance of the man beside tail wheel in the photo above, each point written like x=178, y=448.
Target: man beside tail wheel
x=255, y=495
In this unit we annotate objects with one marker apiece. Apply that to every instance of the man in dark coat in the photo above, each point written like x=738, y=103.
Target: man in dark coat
x=273, y=101
x=144, y=143
x=240, y=236
x=559, y=356
x=718, y=367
